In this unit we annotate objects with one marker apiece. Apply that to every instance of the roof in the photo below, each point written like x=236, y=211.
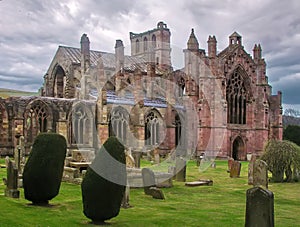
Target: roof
x=108, y=59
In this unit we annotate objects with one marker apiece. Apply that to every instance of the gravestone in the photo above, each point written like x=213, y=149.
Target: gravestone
x=11, y=189
x=250, y=169
x=148, y=180
x=180, y=169
x=235, y=169
x=156, y=156
x=259, y=208
x=230, y=161
x=130, y=162
x=260, y=174
x=137, y=158
x=156, y=193
x=19, y=154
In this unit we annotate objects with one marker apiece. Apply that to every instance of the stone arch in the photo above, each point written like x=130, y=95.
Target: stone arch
x=4, y=123
x=38, y=118
x=119, y=123
x=180, y=130
x=238, y=92
x=153, y=39
x=145, y=42
x=137, y=46
x=59, y=82
x=153, y=123
x=238, y=148
x=81, y=125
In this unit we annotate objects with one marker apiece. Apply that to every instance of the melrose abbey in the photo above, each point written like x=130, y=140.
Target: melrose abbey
x=219, y=103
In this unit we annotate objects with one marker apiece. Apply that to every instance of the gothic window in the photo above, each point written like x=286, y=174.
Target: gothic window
x=59, y=82
x=153, y=41
x=152, y=129
x=137, y=46
x=145, y=44
x=181, y=87
x=236, y=99
x=81, y=126
x=37, y=120
x=118, y=124
x=178, y=131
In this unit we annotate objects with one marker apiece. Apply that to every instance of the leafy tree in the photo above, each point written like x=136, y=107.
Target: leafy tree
x=282, y=157
x=104, y=183
x=292, y=133
x=44, y=168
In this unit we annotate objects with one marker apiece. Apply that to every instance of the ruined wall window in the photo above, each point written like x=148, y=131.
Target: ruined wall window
x=59, y=82
x=152, y=129
x=178, y=131
x=118, y=124
x=153, y=41
x=145, y=44
x=81, y=126
x=236, y=99
x=37, y=120
x=181, y=87
x=137, y=46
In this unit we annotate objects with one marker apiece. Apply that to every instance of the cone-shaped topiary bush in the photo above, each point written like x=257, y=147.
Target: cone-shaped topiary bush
x=44, y=168
x=104, y=183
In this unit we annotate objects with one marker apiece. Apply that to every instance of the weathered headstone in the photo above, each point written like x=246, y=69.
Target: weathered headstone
x=19, y=154
x=156, y=156
x=148, y=180
x=250, y=169
x=235, y=169
x=259, y=208
x=230, y=161
x=157, y=193
x=180, y=169
x=11, y=189
x=137, y=158
x=130, y=162
x=260, y=174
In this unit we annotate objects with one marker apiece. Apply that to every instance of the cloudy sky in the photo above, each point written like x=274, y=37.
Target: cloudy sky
x=31, y=31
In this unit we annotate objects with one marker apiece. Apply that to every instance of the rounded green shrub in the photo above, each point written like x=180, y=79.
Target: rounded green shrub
x=44, y=168
x=104, y=183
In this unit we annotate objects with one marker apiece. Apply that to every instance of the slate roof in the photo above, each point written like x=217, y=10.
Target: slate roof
x=108, y=59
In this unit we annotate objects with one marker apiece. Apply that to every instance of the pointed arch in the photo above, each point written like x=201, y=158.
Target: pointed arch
x=38, y=118
x=238, y=148
x=153, y=39
x=152, y=127
x=238, y=92
x=81, y=125
x=119, y=123
x=145, y=42
x=59, y=82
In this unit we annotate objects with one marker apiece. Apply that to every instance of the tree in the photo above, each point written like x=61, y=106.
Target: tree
x=292, y=133
x=282, y=157
x=44, y=168
x=104, y=183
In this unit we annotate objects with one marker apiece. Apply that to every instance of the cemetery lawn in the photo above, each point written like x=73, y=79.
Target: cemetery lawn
x=222, y=204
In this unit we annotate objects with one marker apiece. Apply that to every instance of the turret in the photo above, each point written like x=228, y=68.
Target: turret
x=192, y=43
x=85, y=52
x=257, y=52
x=235, y=38
x=212, y=46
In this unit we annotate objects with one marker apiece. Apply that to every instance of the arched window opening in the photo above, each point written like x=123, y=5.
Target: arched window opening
x=152, y=129
x=236, y=97
x=118, y=124
x=145, y=44
x=37, y=120
x=181, y=89
x=178, y=131
x=81, y=126
x=59, y=82
x=153, y=41
x=137, y=46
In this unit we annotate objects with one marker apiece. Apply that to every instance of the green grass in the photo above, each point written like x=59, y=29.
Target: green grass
x=222, y=204
x=5, y=93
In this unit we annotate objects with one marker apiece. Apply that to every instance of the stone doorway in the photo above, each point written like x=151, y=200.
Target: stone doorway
x=238, y=149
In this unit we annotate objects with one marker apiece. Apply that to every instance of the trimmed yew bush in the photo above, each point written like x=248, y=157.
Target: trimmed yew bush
x=44, y=168
x=104, y=183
